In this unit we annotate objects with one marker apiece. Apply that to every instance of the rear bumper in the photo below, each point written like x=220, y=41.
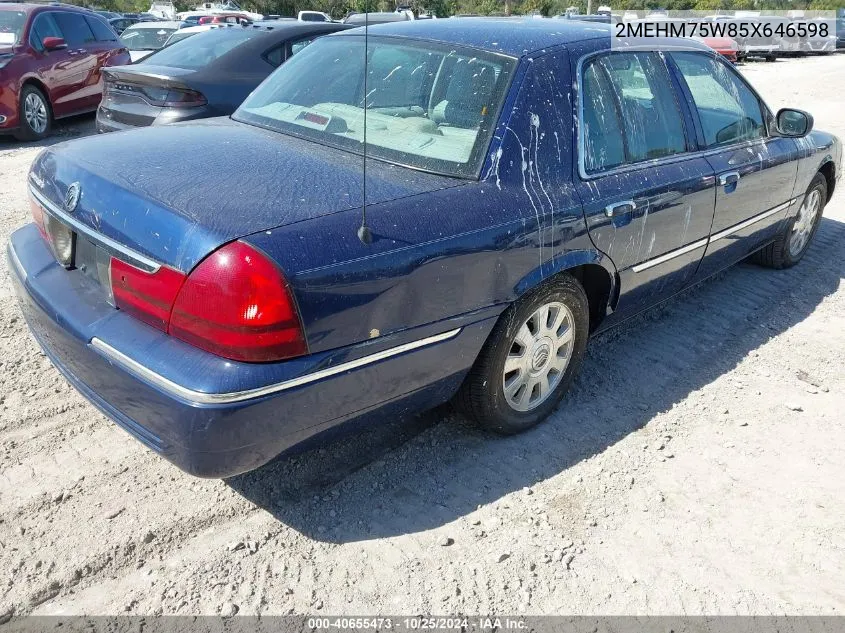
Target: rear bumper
x=218, y=424
x=114, y=120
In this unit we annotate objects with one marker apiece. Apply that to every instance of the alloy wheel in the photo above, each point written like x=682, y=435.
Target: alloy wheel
x=538, y=356
x=35, y=113
x=802, y=229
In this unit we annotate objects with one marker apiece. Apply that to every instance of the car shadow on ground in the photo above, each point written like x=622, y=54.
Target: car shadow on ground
x=414, y=475
x=63, y=130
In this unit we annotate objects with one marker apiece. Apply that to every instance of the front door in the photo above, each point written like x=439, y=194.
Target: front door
x=648, y=200
x=58, y=69
x=755, y=172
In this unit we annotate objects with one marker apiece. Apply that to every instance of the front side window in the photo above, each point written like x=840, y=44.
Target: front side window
x=727, y=108
x=11, y=26
x=429, y=106
x=630, y=112
x=43, y=26
x=74, y=28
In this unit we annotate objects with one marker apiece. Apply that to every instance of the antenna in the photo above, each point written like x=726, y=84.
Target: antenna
x=364, y=233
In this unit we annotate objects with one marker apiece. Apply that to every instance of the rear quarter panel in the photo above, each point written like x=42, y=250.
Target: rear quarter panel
x=468, y=249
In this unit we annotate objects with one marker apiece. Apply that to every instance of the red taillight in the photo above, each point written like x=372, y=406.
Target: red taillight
x=236, y=303
x=38, y=217
x=178, y=98
x=146, y=296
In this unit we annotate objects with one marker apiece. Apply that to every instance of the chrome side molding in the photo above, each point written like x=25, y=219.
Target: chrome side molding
x=705, y=241
x=670, y=255
x=738, y=227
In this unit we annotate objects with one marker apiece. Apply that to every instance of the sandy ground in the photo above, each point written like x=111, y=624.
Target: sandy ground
x=697, y=467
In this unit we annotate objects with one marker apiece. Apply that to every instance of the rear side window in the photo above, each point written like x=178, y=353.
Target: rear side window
x=727, y=108
x=74, y=28
x=275, y=56
x=102, y=31
x=44, y=26
x=630, y=111
x=603, y=145
x=298, y=45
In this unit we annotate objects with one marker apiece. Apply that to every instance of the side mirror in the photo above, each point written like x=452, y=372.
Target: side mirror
x=794, y=123
x=54, y=43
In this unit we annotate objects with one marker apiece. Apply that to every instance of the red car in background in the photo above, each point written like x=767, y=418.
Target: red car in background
x=725, y=46
x=50, y=61
x=225, y=18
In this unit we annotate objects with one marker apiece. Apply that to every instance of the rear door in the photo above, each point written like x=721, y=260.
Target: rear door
x=105, y=45
x=755, y=171
x=83, y=59
x=647, y=197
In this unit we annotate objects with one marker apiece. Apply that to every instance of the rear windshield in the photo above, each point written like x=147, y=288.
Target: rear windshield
x=180, y=35
x=429, y=106
x=200, y=49
x=145, y=39
x=11, y=25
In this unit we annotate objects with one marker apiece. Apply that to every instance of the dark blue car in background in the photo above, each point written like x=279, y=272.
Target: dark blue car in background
x=225, y=289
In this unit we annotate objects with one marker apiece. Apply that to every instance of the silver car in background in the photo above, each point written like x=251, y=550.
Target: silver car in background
x=145, y=38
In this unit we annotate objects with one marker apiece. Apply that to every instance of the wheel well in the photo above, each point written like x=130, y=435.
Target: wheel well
x=597, y=284
x=828, y=170
x=31, y=81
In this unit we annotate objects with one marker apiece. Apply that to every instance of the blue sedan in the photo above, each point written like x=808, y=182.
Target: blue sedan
x=449, y=214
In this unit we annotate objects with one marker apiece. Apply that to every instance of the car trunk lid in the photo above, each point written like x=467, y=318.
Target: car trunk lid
x=175, y=193
x=135, y=95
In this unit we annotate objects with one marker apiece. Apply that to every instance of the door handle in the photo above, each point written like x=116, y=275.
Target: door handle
x=729, y=178
x=620, y=208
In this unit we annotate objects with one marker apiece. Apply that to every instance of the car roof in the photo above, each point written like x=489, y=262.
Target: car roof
x=155, y=25
x=514, y=36
x=32, y=6
x=199, y=28
x=290, y=28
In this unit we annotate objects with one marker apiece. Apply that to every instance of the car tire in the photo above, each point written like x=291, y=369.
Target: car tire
x=35, y=113
x=791, y=244
x=771, y=58
x=542, y=335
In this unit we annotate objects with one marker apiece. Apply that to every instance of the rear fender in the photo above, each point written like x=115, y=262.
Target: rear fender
x=567, y=261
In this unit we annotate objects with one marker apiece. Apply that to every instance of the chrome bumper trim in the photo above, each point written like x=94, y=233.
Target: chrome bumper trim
x=113, y=248
x=199, y=397
x=16, y=262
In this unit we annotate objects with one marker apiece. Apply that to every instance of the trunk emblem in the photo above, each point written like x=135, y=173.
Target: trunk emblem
x=72, y=197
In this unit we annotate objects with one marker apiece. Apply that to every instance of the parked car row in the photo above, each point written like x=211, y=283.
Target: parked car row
x=208, y=75
x=526, y=187
x=57, y=61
